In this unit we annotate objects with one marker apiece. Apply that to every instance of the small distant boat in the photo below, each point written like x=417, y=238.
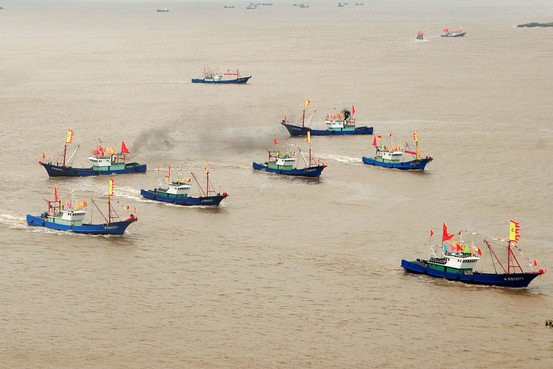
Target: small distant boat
x=303, y=5
x=446, y=32
x=71, y=217
x=336, y=124
x=457, y=262
x=251, y=6
x=229, y=6
x=177, y=192
x=222, y=78
x=286, y=164
x=164, y=10
x=394, y=156
x=104, y=161
x=341, y=5
x=420, y=35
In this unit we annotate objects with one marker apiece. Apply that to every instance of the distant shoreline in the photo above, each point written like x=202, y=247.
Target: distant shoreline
x=535, y=24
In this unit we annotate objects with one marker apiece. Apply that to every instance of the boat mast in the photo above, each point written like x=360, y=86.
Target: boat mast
x=496, y=258
x=198, y=183
x=64, y=153
x=511, y=259
x=303, y=119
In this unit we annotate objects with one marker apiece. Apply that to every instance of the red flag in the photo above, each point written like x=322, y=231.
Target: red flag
x=352, y=109
x=535, y=263
x=458, y=247
x=446, y=236
x=124, y=149
x=374, y=141
x=431, y=233
x=479, y=251
x=56, y=198
x=275, y=142
x=43, y=156
x=410, y=152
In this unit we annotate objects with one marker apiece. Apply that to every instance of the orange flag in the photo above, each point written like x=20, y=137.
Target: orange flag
x=56, y=198
x=206, y=167
x=111, y=186
x=124, y=149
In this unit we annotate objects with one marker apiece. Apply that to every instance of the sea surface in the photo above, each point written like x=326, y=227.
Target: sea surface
x=287, y=272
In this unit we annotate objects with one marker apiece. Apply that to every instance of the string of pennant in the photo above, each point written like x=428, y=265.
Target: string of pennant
x=531, y=263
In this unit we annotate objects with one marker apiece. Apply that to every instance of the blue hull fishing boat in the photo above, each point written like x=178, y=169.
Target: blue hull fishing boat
x=417, y=164
x=287, y=164
x=104, y=161
x=313, y=171
x=447, y=33
x=337, y=124
x=55, y=170
x=71, y=218
x=457, y=263
x=113, y=228
x=211, y=77
x=177, y=192
x=394, y=156
x=503, y=279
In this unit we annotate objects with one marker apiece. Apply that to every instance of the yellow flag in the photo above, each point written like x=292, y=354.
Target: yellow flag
x=308, y=137
x=514, y=228
x=111, y=186
x=69, y=136
x=416, y=136
x=206, y=167
x=307, y=102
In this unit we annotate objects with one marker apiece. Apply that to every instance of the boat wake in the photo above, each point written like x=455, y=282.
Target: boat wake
x=339, y=158
x=13, y=221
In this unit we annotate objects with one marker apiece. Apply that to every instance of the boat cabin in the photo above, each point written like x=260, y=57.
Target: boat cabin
x=458, y=262
x=391, y=156
x=178, y=188
x=100, y=161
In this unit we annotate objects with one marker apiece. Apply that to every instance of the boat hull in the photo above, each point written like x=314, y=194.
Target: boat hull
x=458, y=34
x=61, y=171
x=303, y=172
x=239, y=80
x=114, y=228
x=188, y=201
x=302, y=131
x=503, y=280
x=417, y=164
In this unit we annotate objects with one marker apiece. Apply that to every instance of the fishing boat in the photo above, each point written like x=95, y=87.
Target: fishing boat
x=104, y=161
x=162, y=10
x=222, y=78
x=286, y=163
x=420, y=36
x=458, y=263
x=70, y=217
x=336, y=124
x=396, y=156
x=177, y=192
x=446, y=32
